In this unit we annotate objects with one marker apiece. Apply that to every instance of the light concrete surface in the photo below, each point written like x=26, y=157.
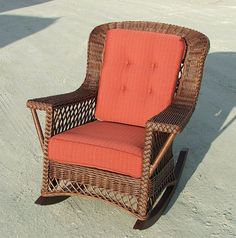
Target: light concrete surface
x=43, y=52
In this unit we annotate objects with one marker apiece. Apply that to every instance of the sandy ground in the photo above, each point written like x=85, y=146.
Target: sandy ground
x=43, y=52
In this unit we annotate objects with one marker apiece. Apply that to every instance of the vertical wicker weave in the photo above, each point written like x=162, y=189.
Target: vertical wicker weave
x=70, y=110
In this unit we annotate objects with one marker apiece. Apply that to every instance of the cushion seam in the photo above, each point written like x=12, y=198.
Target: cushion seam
x=97, y=146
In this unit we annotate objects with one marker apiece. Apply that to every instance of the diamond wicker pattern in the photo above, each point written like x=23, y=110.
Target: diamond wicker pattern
x=70, y=110
x=129, y=202
x=73, y=115
x=81, y=180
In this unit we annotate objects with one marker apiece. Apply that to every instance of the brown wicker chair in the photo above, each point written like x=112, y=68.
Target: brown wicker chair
x=160, y=175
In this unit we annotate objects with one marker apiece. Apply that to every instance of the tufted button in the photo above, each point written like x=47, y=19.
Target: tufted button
x=149, y=91
x=127, y=63
x=123, y=87
x=153, y=65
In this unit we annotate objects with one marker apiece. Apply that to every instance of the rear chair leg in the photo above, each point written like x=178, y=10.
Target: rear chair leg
x=158, y=210
x=50, y=200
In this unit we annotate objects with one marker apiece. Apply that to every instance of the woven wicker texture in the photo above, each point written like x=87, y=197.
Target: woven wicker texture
x=67, y=111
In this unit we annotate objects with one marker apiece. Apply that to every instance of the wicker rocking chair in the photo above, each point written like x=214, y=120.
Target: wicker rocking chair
x=112, y=138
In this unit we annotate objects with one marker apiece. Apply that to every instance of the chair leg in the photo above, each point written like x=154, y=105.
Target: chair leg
x=50, y=200
x=158, y=210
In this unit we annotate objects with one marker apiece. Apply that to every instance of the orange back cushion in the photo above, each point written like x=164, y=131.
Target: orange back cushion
x=138, y=76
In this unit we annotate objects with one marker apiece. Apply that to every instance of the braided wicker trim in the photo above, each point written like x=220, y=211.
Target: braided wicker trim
x=61, y=100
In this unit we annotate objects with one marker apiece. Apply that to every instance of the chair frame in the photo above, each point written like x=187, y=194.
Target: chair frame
x=145, y=197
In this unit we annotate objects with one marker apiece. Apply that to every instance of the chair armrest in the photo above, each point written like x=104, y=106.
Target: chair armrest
x=60, y=100
x=63, y=112
x=172, y=120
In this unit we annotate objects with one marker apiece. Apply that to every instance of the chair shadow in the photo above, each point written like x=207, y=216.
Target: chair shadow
x=8, y=5
x=14, y=27
x=210, y=119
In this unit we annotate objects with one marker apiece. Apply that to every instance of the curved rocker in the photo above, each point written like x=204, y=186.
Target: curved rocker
x=50, y=200
x=166, y=197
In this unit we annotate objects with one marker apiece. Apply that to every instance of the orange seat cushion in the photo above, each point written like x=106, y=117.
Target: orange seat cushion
x=138, y=76
x=104, y=145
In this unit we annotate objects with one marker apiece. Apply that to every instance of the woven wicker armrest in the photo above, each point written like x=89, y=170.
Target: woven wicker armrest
x=172, y=120
x=63, y=112
x=60, y=100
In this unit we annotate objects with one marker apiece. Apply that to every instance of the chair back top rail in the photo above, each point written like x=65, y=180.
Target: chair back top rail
x=191, y=75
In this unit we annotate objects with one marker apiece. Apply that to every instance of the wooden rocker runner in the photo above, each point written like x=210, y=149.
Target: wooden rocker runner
x=112, y=138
